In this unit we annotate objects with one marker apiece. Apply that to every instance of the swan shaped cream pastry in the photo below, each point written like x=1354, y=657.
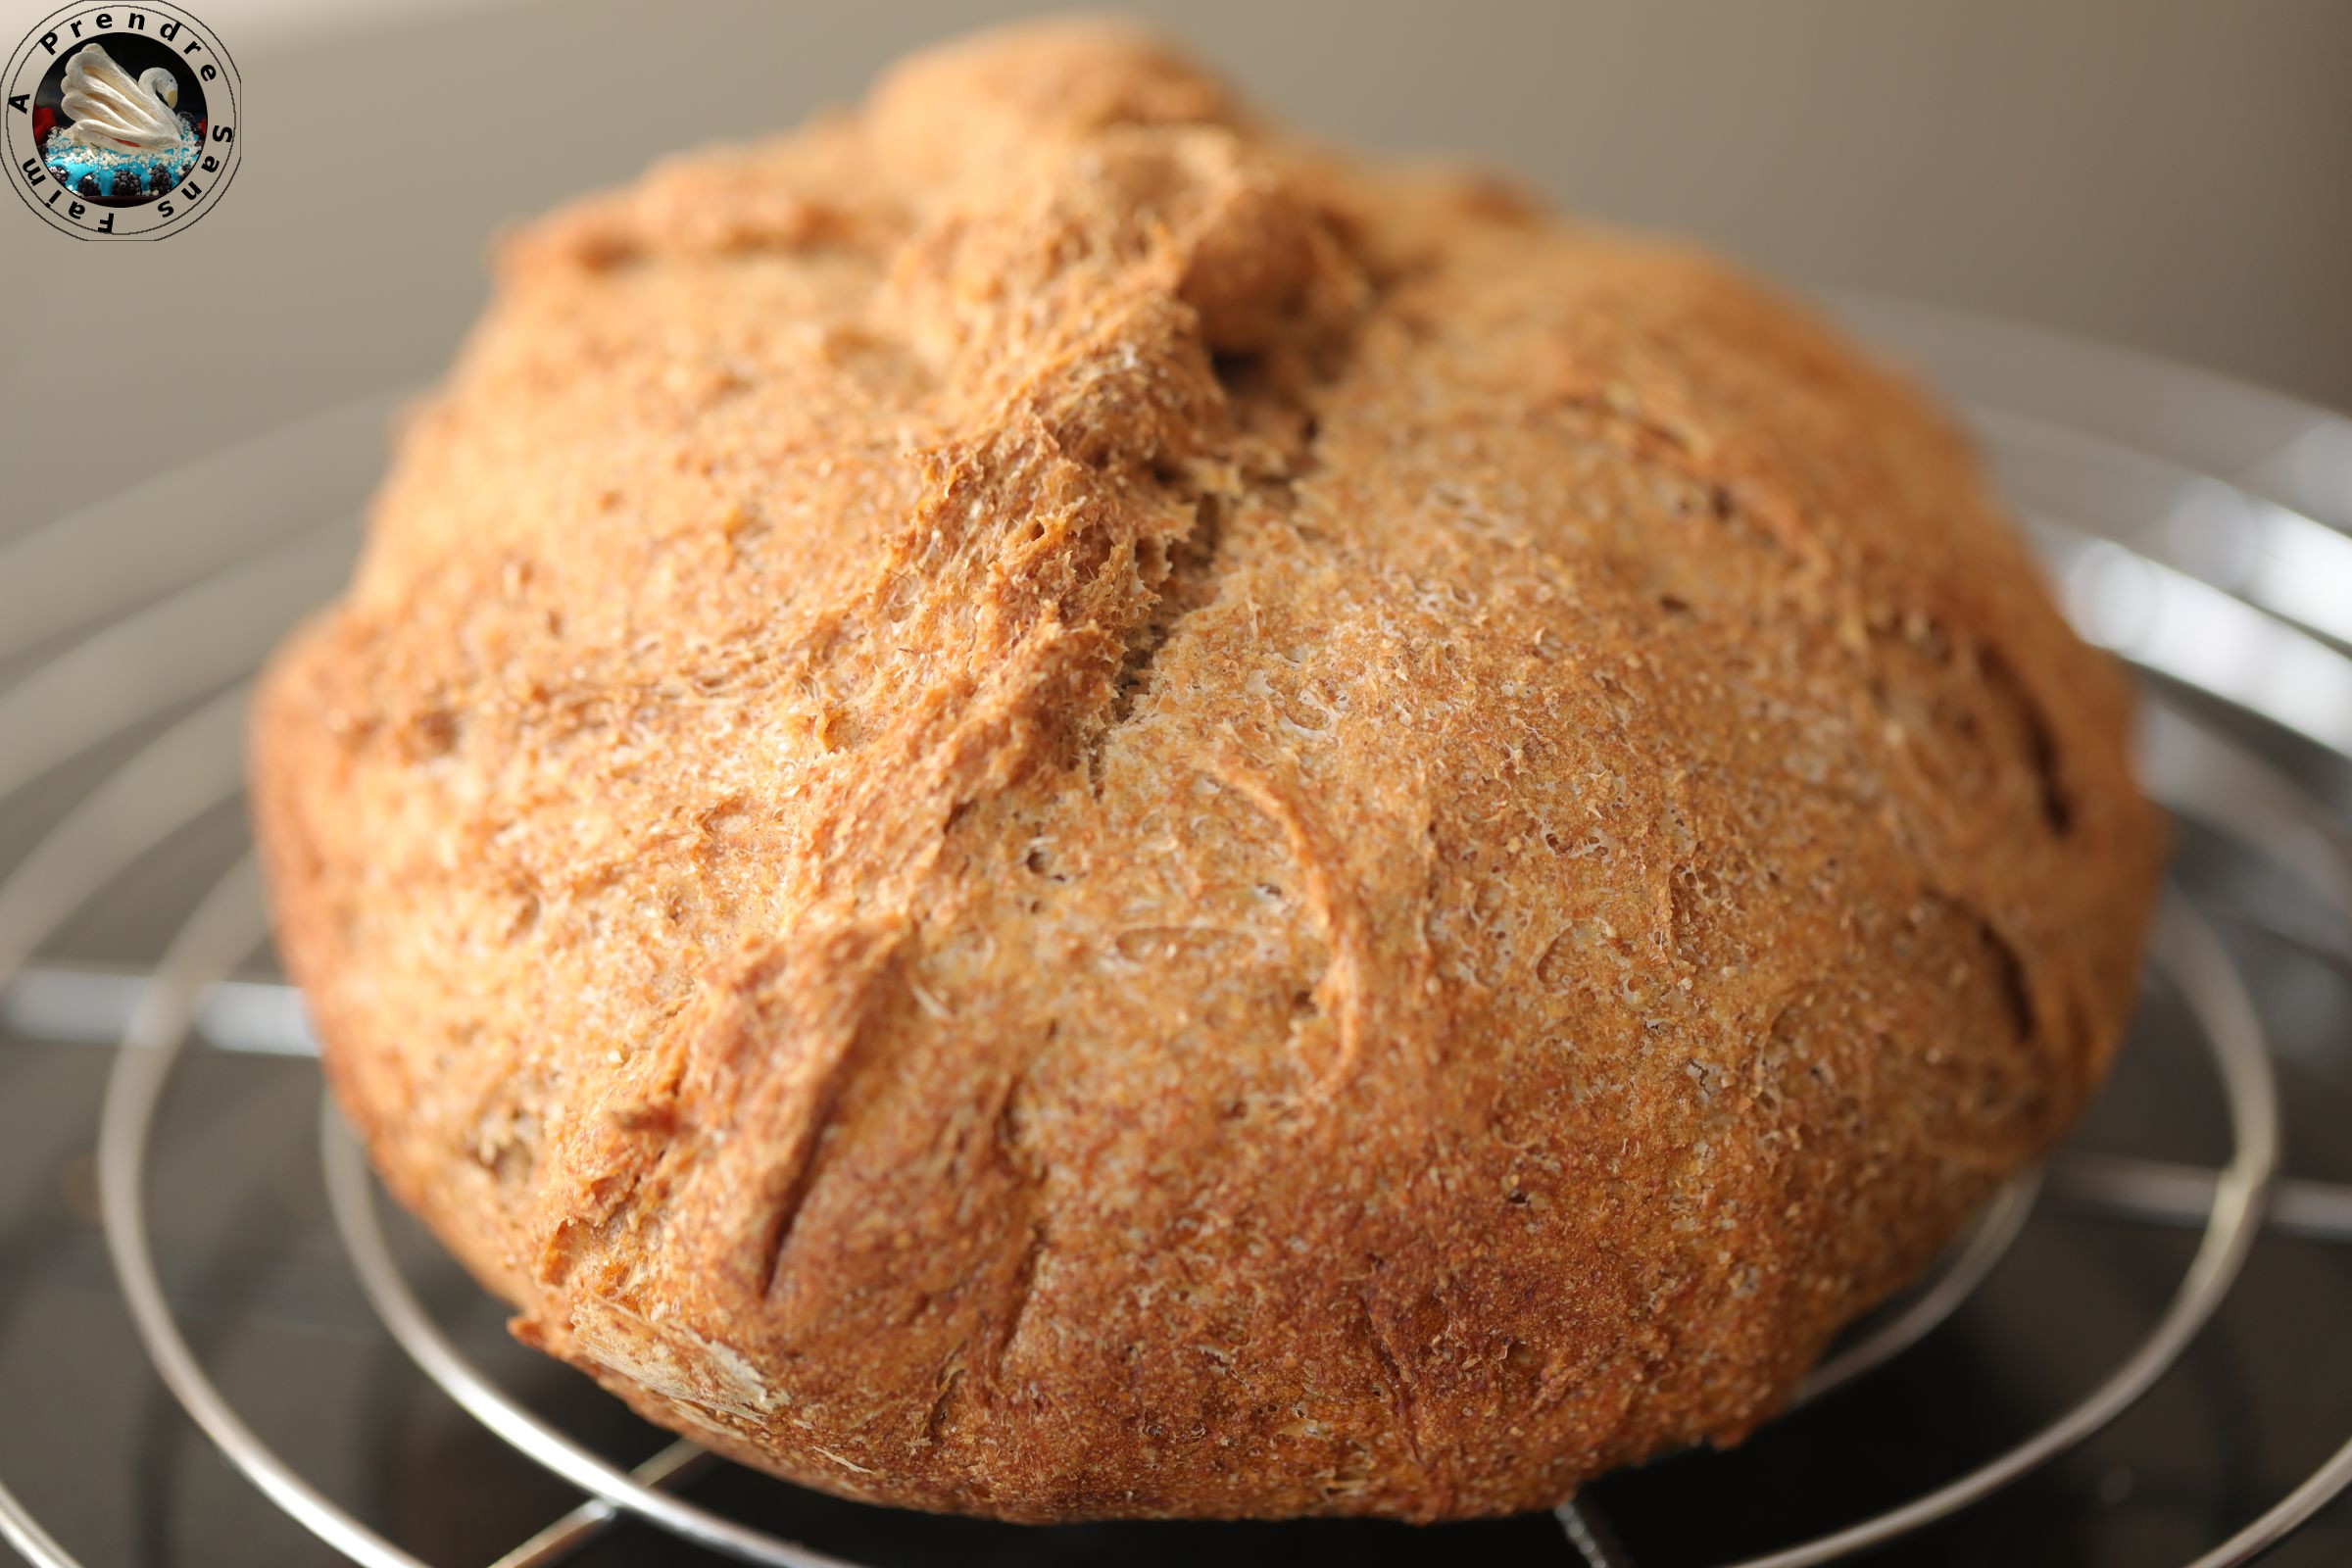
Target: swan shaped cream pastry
x=111, y=111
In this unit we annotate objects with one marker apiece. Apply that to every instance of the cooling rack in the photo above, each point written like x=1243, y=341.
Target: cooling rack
x=2201, y=529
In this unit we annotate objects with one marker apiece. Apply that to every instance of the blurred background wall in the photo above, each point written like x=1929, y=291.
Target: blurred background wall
x=2170, y=174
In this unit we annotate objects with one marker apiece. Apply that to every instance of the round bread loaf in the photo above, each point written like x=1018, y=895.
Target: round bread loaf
x=1038, y=803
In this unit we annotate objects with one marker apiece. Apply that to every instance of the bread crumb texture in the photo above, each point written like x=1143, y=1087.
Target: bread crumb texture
x=1040, y=804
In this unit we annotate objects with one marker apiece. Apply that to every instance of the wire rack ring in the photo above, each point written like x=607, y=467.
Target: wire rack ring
x=2108, y=457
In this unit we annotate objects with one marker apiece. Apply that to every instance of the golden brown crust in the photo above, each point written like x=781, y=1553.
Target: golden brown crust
x=1033, y=804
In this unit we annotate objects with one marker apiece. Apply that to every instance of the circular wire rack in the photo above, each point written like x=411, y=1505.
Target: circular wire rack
x=2201, y=529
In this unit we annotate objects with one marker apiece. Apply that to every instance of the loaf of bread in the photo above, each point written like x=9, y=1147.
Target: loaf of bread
x=1038, y=803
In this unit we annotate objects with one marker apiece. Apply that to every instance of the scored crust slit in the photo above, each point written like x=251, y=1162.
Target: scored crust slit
x=1039, y=802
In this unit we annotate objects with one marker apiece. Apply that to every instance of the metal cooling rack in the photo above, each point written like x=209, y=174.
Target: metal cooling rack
x=2201, y=529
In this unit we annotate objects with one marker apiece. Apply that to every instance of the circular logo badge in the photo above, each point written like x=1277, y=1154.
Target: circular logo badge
x=121, y=120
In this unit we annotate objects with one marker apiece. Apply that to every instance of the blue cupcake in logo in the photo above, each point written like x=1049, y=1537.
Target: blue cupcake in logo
x=119, y=137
